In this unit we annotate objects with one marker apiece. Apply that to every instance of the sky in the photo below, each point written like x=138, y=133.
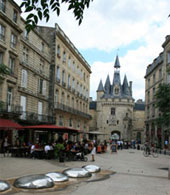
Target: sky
x=132, y=29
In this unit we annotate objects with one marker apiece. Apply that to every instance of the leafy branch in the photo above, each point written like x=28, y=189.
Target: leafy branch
x=39, y=9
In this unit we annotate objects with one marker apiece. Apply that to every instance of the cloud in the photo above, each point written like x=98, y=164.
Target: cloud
x=109, y=25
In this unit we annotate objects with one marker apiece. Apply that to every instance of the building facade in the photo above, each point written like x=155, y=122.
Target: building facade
x=115, y=113
x=49, y=81
x=156, y=73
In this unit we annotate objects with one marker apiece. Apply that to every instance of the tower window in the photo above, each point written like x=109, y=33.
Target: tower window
x=113, y=111
x=116, y=90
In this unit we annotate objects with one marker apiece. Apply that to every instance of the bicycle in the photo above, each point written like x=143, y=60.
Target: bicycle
x=152, y=151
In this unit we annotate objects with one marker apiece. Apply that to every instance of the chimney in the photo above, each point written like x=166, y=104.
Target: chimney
x=130, y=87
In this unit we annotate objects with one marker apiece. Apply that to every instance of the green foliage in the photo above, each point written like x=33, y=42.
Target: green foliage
x=39, y=9
x=163, y=103
x=4, y=70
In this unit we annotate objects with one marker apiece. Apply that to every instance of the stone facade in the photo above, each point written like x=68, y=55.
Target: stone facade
x=116, y=114
x=49, y=81
x=156, y=73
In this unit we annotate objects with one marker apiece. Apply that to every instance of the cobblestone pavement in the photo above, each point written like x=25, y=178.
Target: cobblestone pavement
x=135, y=174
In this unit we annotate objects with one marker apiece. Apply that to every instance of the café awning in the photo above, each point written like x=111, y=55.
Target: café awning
x=6, y=124
x=55, y=128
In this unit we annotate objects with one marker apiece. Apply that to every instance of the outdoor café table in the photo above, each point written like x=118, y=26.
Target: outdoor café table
x=17, y=151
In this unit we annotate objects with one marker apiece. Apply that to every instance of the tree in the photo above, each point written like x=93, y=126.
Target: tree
x=163, y=104
x=39, y=9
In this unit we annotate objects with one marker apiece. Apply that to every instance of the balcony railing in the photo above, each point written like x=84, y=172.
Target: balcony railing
x=69, y=109
x=6, y=108
x=32, y=117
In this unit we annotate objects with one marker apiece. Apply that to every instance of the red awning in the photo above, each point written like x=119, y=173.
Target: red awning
x=6, y=124
x=53, y=127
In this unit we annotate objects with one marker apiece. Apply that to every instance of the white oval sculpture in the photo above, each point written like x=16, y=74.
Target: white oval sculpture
x=92, y=168
x=77, y=173
x=4, y=186
x=58, y=177
x=34, y=182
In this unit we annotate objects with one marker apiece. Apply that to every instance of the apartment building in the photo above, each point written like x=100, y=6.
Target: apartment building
x=156, y=73
x=71, y=82
x=49, y=80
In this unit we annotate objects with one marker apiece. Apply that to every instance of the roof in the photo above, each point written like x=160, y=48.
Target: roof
x=100, y=87
x=92, y=105
x=117, y=64
x=139, y=106
x=6, y=124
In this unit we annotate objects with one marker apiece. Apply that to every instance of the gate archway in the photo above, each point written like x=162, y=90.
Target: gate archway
x=115, y=135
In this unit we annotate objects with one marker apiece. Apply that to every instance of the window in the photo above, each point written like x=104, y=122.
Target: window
x=149, y=83
x=25, y=55
x=63, y=76
x=24, y=79
x=15, y=16
x=60, y=120
x=153, y=78
x=73, y=83
x=81, y=89
x=62, y=98
x=148, y=96
x=77, y=69
x=42, y=86
x=153, y=92
x=77, y=87
x=69, y=62
x=168, y=57
x=42, y=46
x=113, y=110
x=1, y=57
x=64, y=56
x=73, y=102
x=13, y=40
x=70, y=122
x=9, y=99
x=87, y=93
x=58, y=74
x=2, y=5
x=160, y=73
x=12, y=64
x=56, y=95
x=68, y=80
x=84, y=76
x=26, y=34
x=153, y=110
x=2, y=32
x=42, y=65
x=58, y=50
x=73, y=66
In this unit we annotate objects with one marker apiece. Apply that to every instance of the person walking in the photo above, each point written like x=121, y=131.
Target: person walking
x=93, y=152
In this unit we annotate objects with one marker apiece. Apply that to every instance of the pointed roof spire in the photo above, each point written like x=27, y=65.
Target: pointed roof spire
x=107, y=85
x=125, y=87
x=100, y=87
x=117, y=63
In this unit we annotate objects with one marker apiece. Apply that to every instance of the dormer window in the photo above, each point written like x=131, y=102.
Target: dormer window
x=15, y=16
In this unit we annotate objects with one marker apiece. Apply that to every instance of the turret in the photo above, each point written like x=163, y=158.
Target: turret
x=100, y=90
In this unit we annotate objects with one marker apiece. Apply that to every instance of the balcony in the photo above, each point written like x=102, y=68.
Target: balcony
x=34, y=118
x=10, y=109
x=63, y=107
